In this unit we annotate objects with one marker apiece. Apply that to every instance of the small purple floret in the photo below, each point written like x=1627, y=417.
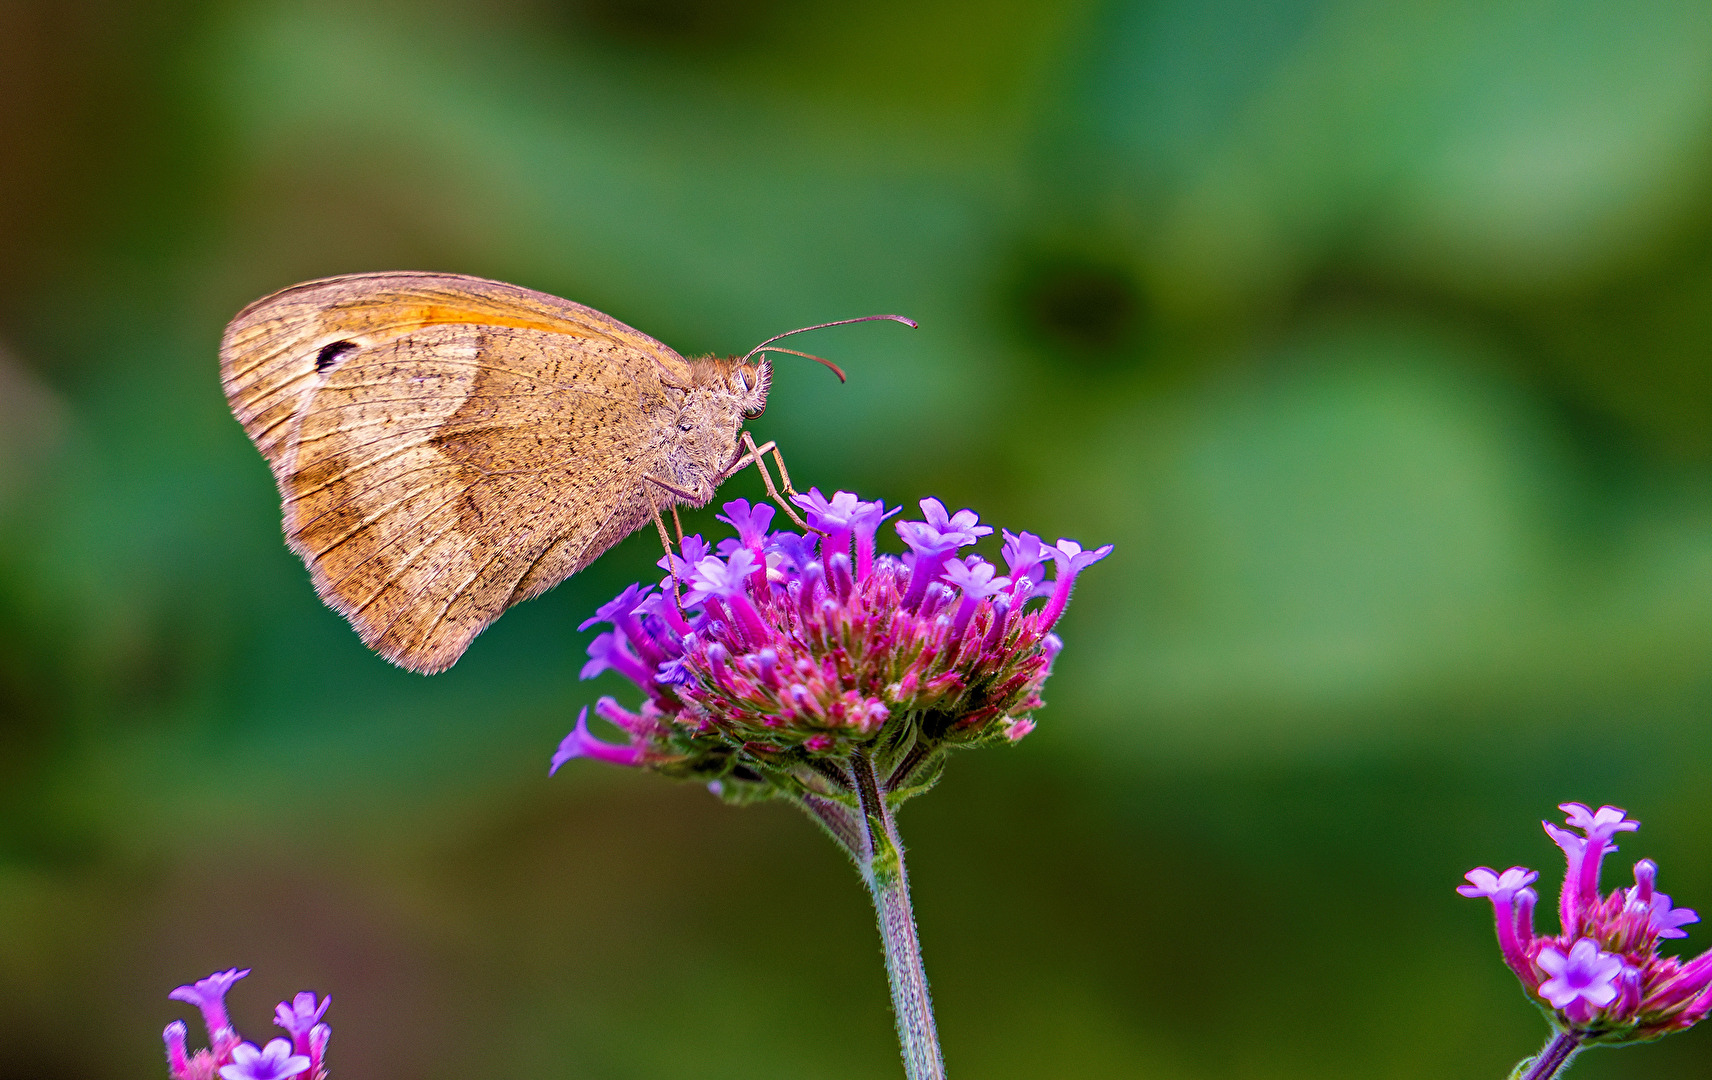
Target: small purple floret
x=751, y=522
x=299, y=1016
x=1666, y=921
x=608, y=651
x=618, y=607
x=723, y=578
x=1514, y=934
x=692, y=549
x=1602, y=824
x=1026, y=557
x=273, y=1062
x=864, y=523
x=963, y=521
x=177, y=1058
x=837, y=513
x=209, y=995
x=1484, y=881
x=933, y=542
x=975, y=578
x=791, y=554
x=1586, y=974
x=1051, y=645
x=1071, y=560
x=581, y=743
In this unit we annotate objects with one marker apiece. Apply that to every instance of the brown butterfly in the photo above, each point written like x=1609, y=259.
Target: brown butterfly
x=447, y=446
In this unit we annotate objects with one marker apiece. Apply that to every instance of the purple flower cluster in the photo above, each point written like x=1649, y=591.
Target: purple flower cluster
x=229, y=1057
x=1602, y=977
x=778, y=650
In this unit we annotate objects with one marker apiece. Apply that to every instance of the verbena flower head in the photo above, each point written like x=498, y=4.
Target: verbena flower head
x=1601, y=977
x=784, y=652
x=229, y=1057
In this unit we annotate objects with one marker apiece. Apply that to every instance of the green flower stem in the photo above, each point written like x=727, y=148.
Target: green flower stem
x=882, y=866
x=838, y=822
x=1551, y=1061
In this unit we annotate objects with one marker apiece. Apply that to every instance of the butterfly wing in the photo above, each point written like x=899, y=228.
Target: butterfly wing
x=446, y=446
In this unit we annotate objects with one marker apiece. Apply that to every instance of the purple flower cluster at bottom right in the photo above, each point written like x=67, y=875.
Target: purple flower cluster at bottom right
x=1602, y=978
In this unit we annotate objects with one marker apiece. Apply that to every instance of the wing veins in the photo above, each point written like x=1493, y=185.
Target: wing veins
x=297, y=496
x=441, y=397
x=356, y=364
x=451, y=599
x=371, y=519
x=392, y=543
x=485, y=426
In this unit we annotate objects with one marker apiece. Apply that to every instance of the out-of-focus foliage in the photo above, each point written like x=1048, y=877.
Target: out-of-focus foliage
x=1377, y=336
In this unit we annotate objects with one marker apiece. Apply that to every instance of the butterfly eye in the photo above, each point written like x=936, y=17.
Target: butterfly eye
x=750, y=414
x=685, y=425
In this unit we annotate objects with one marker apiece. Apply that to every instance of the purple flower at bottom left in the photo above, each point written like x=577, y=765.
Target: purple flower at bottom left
x=229, y=1057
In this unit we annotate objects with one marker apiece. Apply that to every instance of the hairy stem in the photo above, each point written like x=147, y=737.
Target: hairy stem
x=839, y=822
x=1551, y=1061
x=911, y=761
x=882, y=866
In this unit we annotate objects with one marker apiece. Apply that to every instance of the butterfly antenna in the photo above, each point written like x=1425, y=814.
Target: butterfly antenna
x=836, y=370
x=911, y=323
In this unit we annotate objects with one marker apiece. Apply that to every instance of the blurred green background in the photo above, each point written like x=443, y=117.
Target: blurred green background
x=1376, y=336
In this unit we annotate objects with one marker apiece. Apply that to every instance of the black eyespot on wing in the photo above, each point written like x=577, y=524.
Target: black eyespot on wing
x=329, y=354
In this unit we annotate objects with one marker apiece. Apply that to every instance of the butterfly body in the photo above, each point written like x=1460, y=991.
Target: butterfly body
x=447, y=446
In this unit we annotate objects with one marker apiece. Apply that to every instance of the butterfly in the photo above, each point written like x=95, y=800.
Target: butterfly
x=446, y=446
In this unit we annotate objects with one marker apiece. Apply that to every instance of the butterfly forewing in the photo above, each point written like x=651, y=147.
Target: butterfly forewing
x=446, y=446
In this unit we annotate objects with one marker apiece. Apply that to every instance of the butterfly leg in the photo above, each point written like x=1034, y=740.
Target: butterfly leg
x=665, y=540
x=754, y=454
x=687, y=496
x=660, y=525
